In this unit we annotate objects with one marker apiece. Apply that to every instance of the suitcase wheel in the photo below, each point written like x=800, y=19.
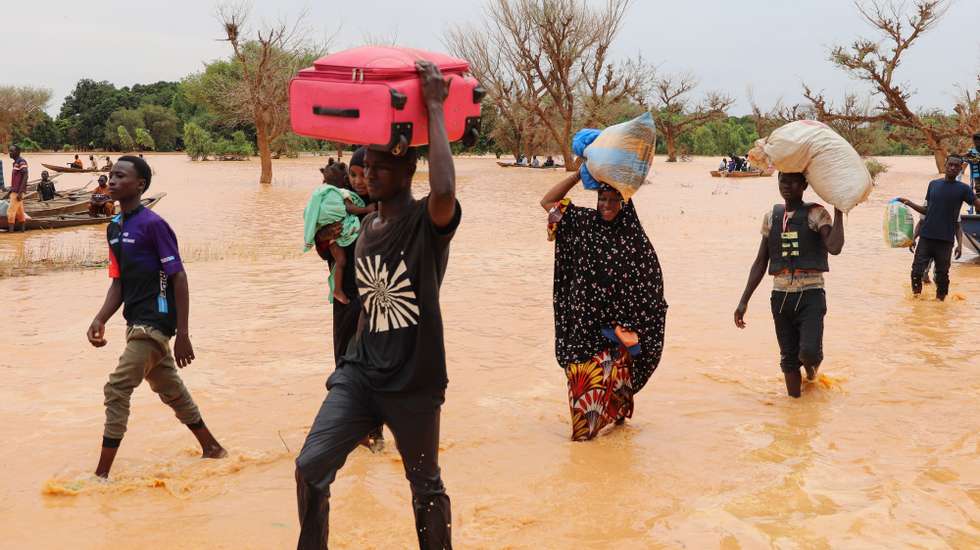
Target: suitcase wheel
x=401, y=147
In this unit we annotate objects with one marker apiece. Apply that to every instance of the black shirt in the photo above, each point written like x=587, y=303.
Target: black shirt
x=399, y=344
x=943, y=202
x=46, y=189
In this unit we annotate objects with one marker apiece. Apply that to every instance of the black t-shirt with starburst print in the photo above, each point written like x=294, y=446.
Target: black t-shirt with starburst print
x=399, y=268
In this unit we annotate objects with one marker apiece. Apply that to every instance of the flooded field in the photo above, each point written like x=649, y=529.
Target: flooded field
x=884, y=452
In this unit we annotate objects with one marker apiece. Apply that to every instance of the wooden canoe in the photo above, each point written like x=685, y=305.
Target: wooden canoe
x=503, y=164
x=971, y=230
x=74, y=220
x=70, y=204
x=68, y=170
x=31, y=187
x=753, y=174
x=60, y=194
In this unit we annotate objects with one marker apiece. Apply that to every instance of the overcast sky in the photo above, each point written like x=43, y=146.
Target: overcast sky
x=770, y=45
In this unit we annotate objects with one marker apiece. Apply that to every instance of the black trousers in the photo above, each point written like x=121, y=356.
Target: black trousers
x=939, y=252
x=351, y=410
x=798, y=317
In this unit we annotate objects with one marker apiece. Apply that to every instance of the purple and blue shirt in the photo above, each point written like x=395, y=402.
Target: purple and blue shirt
x=143, y=255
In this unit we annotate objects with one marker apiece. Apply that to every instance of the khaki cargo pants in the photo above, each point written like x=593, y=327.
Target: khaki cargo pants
x=148, y=356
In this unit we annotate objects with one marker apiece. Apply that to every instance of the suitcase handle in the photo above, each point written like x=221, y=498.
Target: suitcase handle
x=345, y=113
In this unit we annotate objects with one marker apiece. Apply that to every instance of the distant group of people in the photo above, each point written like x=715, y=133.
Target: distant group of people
x=92, y=164
x=535, y=163
x=734, y=164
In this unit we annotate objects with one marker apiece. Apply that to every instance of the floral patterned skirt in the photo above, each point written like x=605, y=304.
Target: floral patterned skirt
x=600, y=392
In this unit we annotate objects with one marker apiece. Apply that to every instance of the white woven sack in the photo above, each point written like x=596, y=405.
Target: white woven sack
x=833, y=168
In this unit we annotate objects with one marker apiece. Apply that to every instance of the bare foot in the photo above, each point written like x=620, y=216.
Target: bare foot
x=811, y=372
x=214, y=452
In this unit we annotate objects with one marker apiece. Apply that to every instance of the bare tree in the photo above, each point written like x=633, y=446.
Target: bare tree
x=675, y=114
x=20, y=109
x=779, y=114
x=850, y=120
x=268, y=62
x=968, y=113
x=550, y=59
x=876, y=63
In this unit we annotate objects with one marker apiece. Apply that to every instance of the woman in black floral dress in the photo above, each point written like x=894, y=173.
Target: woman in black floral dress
x=609, y=305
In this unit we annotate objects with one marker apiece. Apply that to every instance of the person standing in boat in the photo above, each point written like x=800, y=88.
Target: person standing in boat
x=796, y=239
x=18, y=186
x=940, y=227
x=149, y=283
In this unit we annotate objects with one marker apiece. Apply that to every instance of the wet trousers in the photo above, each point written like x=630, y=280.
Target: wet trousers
x=939, y=252
x=798, y=317
x=351, y=410
x=147, y=356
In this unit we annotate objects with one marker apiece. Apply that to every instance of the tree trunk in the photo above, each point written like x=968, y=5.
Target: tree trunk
x=568, y=156
x=671, y=146
x=938, y=154
x=265, y=153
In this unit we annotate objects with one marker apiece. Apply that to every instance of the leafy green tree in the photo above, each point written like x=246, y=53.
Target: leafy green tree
x=125, y=139
x=159, y=93
x=86, y=112
x=28, y=144
x=162, y=123
x=144, y=140
x=197, y=142
x=46, y=133
x=241, y=144
x=130, y=119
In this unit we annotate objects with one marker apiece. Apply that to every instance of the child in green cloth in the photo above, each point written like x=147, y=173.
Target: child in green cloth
x=332, y=205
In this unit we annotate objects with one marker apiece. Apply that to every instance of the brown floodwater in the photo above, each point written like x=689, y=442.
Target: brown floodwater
x=883, y=452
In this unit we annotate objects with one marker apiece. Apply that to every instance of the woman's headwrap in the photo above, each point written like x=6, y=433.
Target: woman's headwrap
x=357, y=159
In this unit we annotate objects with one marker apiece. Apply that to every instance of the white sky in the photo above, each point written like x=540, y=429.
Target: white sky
x=771, y=45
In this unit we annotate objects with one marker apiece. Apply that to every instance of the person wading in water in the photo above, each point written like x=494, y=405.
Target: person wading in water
x=394, y=370
x=149, y=282
x=609, y=305
x=941, y=227
x=796, y=238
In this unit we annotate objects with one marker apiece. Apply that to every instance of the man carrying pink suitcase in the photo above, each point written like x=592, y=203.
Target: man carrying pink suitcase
x=394, y=370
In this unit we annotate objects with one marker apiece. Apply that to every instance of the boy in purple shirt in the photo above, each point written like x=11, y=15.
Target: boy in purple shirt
x=148, y=280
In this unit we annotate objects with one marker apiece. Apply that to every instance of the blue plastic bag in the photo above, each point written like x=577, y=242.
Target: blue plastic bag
x=582, y=139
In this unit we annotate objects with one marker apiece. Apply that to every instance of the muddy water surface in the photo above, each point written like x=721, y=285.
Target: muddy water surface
x=883, y=452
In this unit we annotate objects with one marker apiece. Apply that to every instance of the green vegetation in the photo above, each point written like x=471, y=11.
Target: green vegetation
x=144, y=140
x=126, y=142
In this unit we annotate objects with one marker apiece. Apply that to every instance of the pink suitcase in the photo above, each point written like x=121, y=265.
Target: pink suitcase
x=372, y=96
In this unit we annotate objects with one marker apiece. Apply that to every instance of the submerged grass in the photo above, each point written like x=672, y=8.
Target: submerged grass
x=52, y=257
